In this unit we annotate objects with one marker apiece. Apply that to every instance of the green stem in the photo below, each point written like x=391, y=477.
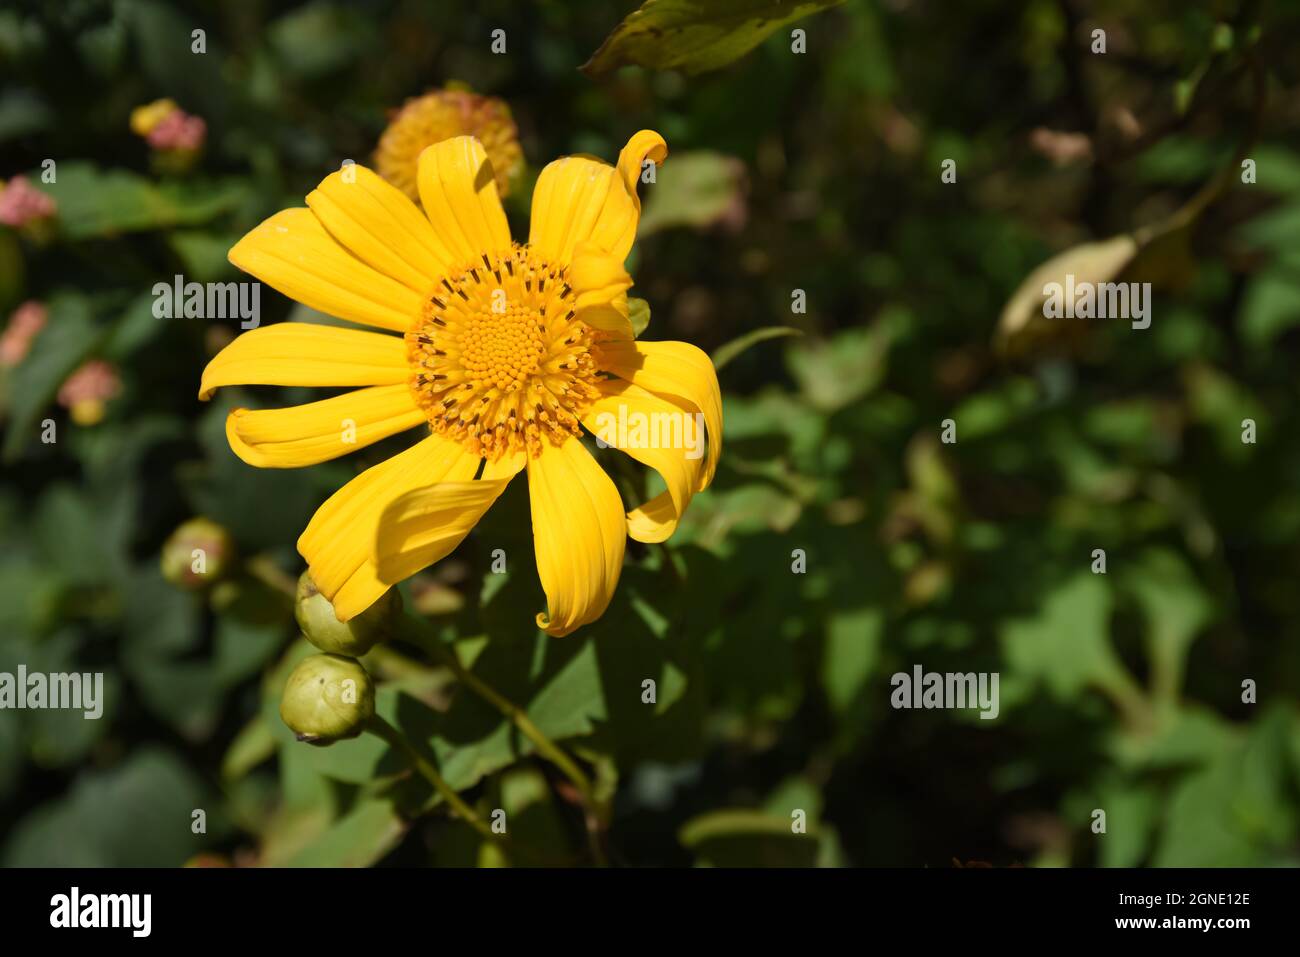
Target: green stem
x=384, y=660
x=414, y=632
x=1127, y=697
x=426, y=770
x=1211, y=191
x=268, y=573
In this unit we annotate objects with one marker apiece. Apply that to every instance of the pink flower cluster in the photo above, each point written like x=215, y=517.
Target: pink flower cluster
x=21, y=203
x=16, y=341
x=94, y=381
x=179, y=130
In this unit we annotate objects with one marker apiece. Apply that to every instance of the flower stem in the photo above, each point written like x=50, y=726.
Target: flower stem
x=414, y=632
x=397, y=740
x=269, y=573
x=596, y=811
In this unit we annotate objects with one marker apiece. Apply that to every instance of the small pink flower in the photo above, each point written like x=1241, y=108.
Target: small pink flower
x=179, y=130
x=16, y=341
x=86, y=390
x=21, y=202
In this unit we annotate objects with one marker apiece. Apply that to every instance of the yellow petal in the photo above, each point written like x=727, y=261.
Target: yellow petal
x=379, y=225
x=600, y=283
x=596, y=276
x=667, y=439
x=579, y=533
x=579, y=199
x=341, y=538
x=506, y=466
x=292, y=252
x=419, y=528
x=643, y=144
x=459, y=194
x=612, y=317
x=319, y=431
x=301, y=353
x=678, y=372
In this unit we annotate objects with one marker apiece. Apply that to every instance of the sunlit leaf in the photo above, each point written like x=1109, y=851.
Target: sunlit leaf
x=695, y=35
x=697, y=190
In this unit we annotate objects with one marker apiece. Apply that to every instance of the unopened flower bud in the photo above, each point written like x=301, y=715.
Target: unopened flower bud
x=327, y=698
x=22, y=204
x=85, y=393
x=24, y=325
x=439, y=115
x=145, y=119
x=323, y=629
x=197, y=554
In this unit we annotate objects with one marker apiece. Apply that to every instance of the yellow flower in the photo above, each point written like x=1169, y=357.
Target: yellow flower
x=506, y=352
x=425, y=120
x=145, y=119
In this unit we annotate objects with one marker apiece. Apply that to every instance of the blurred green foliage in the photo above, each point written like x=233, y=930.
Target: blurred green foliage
x=817, y=172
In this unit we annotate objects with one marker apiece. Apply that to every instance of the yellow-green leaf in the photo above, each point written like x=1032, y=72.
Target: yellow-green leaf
x=638, y=313
x=695, y=36
x=1023, y=324
x=701, y=189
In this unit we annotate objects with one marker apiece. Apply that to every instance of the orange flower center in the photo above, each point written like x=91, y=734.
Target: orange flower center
x=499, y=359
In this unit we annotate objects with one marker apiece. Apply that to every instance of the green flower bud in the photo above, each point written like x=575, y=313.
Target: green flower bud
x=327, y=698
x=322, y=628
x=197, y=554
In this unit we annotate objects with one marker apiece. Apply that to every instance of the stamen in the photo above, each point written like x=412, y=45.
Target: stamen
x=498, y=371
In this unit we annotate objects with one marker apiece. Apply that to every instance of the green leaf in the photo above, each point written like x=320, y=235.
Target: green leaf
x=160, y=636
x=638, y=313
x=1270, y=307
x=104, y=203
x=57, y=737
x=835, y=373
x=1236, y=812
x=1187, y=736
x=997, y=408
x=530, y=806
x=254, y=744
x=695, y=35
x=69, y=528
x=1219, y=402
x=243, y=647
x=852, y=648
x=1131, y=817
x=748, y=508
x=359, y=838
x=1176, y=606
x=321, y=37
x=138, y=814
x=695, y=189
x=203, y=254
x=136, y=326
x=1067, y=645
x=68, y=339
